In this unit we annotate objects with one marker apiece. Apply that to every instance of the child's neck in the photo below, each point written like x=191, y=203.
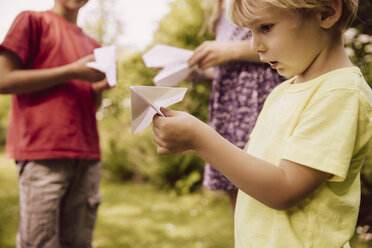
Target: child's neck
x=70, y=16
x=332, y=57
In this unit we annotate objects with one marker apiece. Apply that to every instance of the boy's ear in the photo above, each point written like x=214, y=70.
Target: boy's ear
x=330, y=15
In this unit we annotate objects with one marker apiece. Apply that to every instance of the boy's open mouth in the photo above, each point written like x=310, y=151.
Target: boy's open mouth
x=273, y=64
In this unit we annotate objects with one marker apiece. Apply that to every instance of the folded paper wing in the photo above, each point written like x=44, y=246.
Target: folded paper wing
x=105, y=61
x=172, y=75
x=173, y=60
x=162, y=55
x=146, y=102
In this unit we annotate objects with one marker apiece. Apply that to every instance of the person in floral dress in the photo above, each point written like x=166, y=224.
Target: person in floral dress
x=240, y=84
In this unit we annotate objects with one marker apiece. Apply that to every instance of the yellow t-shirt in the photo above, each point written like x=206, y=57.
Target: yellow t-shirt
x=326, y=124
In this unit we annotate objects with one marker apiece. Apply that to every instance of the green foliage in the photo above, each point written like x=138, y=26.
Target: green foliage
x=364, y=228
x=106, y=27
x=182, y=25
x=134, y=157
x=363, y=20
x=365, y=215
x=183, y=173
x=4, y=103
x=359, y=47
x=8, y=203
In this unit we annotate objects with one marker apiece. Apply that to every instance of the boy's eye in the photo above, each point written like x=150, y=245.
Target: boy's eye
x=266, y=27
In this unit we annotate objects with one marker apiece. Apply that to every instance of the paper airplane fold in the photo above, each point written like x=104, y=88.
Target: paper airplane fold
x=173, y=60
x=105, y=61
x=146, y=102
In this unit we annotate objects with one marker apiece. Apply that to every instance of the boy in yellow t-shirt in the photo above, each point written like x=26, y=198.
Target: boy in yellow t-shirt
x=298, y=179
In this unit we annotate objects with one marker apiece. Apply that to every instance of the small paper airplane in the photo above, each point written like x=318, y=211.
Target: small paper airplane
x=173, y=60
x=105, y=62
x=146, y=102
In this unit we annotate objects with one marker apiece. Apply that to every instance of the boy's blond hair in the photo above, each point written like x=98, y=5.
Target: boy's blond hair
x=239, y=11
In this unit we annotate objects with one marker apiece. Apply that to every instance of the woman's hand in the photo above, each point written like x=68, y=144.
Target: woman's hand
x=211, y=53
x=198, y=75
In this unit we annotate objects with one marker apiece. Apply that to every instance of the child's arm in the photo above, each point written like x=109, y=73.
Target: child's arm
x=211, y=53
x=97, y=90
x=15, y=80
x=277, y=187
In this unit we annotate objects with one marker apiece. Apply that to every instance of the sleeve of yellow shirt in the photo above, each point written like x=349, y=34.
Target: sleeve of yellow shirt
x=325, y=137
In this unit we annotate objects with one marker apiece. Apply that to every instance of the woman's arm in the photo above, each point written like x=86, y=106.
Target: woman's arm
x=15, y=80
x=279, y=187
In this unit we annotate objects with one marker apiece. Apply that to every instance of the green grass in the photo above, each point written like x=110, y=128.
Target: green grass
x=139, y=216
x=8, y=203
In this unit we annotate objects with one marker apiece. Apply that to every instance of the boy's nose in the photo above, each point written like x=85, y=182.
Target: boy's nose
x=256, y=45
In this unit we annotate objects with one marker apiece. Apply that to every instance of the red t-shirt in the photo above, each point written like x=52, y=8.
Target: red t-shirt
x=58, y=122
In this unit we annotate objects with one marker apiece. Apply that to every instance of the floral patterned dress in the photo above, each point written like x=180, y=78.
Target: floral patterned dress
x=239, y=90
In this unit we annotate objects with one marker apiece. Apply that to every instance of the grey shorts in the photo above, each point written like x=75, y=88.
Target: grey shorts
x=58, y=201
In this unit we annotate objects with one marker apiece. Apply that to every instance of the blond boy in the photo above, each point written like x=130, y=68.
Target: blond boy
x=299, y=175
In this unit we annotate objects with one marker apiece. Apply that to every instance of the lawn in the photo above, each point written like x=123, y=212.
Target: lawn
x=138, y=216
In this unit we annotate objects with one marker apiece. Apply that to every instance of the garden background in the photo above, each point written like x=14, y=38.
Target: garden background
x=158, y=201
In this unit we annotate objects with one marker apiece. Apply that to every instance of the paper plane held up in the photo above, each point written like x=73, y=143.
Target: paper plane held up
x=173, y=60
x=146, y=102
x=105, y=61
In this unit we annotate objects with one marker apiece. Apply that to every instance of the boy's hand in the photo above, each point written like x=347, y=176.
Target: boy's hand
x=81, y=71
x=97, y=90
x=175, y=133
x=100, y=86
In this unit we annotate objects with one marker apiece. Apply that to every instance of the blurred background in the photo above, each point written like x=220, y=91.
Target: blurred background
x=151, y=200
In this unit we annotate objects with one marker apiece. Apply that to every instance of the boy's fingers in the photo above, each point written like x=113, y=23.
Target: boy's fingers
x=155, y=120
x=90, y=57
x=168, y=112
x=158, y=141
x=162, y=151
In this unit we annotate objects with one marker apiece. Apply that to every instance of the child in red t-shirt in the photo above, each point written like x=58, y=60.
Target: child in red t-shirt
x=52, y=130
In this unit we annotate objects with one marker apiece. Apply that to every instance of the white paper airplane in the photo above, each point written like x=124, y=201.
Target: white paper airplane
x=105, y=62
x=173, y=60
x=146, y=102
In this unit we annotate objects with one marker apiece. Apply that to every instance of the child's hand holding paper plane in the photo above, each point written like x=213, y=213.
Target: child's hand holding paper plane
x=173, y=60
x=146, y=102
x=105, y=61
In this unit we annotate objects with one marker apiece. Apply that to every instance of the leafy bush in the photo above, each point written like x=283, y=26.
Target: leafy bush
x=359, y=47
x=4, y=103
x=134, y=157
